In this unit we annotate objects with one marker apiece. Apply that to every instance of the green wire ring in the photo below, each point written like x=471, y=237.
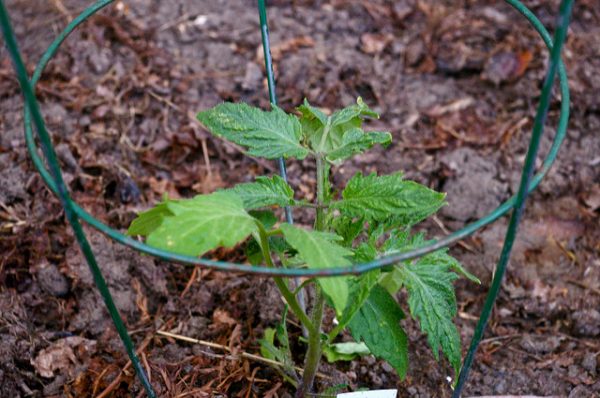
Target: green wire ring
x=291, y=272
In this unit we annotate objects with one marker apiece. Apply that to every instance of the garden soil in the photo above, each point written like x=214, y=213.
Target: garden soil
x=457, y=84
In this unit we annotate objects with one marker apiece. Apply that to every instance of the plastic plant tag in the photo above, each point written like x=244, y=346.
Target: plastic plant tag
x=370, y=394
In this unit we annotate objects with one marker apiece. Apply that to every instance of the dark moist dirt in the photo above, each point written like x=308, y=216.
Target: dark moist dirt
x=456, y=83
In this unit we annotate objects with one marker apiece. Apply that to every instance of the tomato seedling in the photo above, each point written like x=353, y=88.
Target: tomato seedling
x=371, y=217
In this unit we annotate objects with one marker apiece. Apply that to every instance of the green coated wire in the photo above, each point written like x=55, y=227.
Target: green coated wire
x=264, y=33
x=65, y=199
x=73, y=211
x=293, y=272
x=511, y=232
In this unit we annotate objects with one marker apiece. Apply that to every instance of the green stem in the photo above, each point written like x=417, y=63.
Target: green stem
x=307, y=204
x=304, y=285
x=335, y=331
x=274, y=232
x=320, y=220
x=326, y=131
x=319, y=155
x=313, y=354
x=287, y=294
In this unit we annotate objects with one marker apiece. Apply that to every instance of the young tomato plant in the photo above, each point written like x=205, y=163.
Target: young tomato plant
x=371, y=217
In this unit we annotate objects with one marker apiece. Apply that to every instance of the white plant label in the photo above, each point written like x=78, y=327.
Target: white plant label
x=370, y=394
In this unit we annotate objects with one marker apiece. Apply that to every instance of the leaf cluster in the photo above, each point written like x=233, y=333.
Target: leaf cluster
x=371, y=217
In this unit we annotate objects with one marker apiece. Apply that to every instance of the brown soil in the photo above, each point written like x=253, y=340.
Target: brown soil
x=456, y=82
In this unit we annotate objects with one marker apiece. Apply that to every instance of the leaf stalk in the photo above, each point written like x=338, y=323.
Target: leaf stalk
x=281, y=284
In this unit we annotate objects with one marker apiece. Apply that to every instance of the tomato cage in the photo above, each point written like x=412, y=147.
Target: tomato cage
x=50, y=171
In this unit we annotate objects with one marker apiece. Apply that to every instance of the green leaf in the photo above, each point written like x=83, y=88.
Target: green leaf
x=309, y=112
x=269, y=135
x=315, y=124
x=356, y=141
x=377, y=323
x=149, y=220
x=365, y=252
x=279, y=351
x=264, y=192
x=382, y=197
x=441, y=257
x=282, y=336
x=360, y=289
x=344, y=351
x=347, y=228
x=352, y=112
x=432, y=301
x=203, y=223
x=266, y=217
x=277, y=243
x=253, y=250
x=267, y=346
x=319, y=250
x=401, y=241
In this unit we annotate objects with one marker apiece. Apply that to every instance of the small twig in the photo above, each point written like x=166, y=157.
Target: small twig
x=245, y=355
x=536, y=357
x=447, y=232
x=206, y=158
x=498, y=338
x=509, y=132
x=190, y=282
x=214, y=74
x=147, y=366
x=468, y=316
x=229, y=377
x=108, y=390
x=58, y=4
x=11, y=213
x=566, y=251
x=98, y=380
x=583, y=285
x=403, y=145
x=55, y=18
x=175, y=22
x=192, y=393
x=252, y=378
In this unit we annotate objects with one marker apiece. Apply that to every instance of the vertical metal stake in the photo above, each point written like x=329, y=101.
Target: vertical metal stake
x=65, y=199
x=511, y=233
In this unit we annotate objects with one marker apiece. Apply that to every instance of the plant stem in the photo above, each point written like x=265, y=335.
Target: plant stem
x=283, y=287
x=274, y=232
x=307, y=204
x=334, y=332
x=326, y=130
x=313, y=354
x=319, y=155
x=320, y=220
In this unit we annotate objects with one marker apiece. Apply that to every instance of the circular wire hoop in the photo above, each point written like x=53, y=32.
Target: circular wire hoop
x=74, y=213
x=357, y=268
